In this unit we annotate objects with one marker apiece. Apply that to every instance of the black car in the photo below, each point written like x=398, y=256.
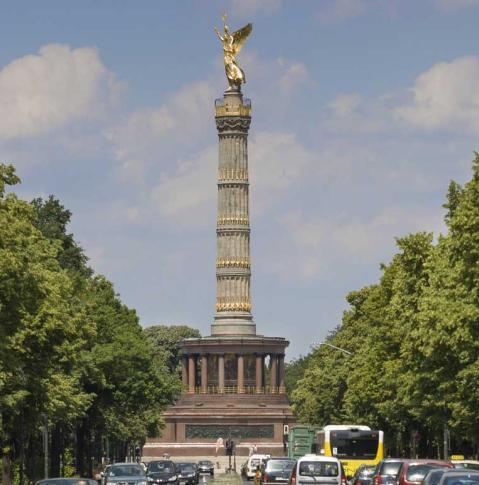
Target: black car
x=162, y=471
x=364, y=475
x=188, y=473
x=206, y=466
x=130, y=473
x=433, y=476
x=460, y=477
x=277, y=470
x=387, y=470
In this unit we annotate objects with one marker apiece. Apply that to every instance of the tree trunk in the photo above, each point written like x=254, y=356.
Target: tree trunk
x=6, y=469
x=56, y=451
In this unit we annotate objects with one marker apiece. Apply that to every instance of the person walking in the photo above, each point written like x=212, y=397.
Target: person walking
x=257, y=476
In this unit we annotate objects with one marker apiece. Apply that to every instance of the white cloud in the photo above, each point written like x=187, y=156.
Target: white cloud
x=318, y=243
x=445, y=96
x=57, y=86
x=185, y=193
x=148, y=132
x=345, y=104
x=277, y=160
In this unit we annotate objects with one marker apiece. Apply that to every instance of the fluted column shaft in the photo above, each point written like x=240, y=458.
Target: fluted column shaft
x=204, y=373
x=240, y=374
x=221, y=373
x=274, y=373
x=281, y=375
x=191, y=373
x=233, y=265
x=259, y=373
x=184, y=371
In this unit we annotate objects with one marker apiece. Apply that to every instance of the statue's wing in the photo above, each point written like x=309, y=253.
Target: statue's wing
x=240, y=36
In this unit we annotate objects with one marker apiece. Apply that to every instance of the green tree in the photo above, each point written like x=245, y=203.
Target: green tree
x=165, y=340
x=42, y=336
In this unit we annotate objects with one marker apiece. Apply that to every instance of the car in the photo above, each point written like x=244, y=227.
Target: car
x=466, y=464
x=162, y=471
x=188, y=473
x=255, y=461
x=460, y=477
x=364, y=475
x=206, y=466
x=434, y=475
x=66, y=481
x=277, y=469
x=387, y=470
x=317, y=469
x=131, y=473
x=412, y=472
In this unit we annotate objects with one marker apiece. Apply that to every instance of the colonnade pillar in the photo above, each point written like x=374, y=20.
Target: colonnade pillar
x=221, y=373
x=240, y=374
x=204, y=373
x=282, y=386
x=191, y=374
x=259, y=373
x=274, y=373
x=184, y=371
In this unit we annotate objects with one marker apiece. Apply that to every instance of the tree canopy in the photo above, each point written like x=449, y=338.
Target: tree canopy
x=414, y=342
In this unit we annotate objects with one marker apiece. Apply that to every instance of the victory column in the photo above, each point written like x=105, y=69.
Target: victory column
x=228, y=390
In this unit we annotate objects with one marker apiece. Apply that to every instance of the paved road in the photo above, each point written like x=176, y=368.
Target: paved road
x=223, y=480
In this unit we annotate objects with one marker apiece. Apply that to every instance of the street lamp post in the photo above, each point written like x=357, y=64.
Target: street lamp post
x=333, y=347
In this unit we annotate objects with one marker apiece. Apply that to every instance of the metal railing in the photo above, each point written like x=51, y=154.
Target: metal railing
x=235, y=390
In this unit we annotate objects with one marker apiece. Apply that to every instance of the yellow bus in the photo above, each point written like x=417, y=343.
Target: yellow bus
x=352, y=445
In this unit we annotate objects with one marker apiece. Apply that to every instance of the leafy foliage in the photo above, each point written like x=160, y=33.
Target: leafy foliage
x=71, y=354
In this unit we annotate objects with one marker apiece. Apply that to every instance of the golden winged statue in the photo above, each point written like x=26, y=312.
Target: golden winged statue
x=232, y=44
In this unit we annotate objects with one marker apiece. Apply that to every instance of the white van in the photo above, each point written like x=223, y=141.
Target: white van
x=321, y=470
x=255, y=461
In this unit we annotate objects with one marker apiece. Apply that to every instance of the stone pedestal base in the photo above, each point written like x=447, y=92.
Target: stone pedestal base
x=196, y=421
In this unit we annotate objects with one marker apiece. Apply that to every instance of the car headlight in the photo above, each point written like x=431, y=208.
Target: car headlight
x=143, y=482
x=173, y=478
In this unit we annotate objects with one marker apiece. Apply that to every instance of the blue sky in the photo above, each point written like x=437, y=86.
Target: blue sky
x=363, y=110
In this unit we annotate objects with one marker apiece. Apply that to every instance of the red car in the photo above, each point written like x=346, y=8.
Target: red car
x=413, y=472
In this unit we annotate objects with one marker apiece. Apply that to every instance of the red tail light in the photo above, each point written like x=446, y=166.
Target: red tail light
x=293, y=477
x=265, y=478
x=377, y=480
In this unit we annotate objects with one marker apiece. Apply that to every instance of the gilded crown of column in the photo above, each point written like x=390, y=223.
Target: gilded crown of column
x=232, y=123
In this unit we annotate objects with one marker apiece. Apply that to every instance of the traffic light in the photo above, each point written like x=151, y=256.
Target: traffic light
x=230, y=445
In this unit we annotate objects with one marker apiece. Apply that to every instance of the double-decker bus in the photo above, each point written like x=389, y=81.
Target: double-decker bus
x=352, y=445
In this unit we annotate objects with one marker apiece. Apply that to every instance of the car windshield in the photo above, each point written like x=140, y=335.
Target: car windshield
x=366, y=471
x=208, y=463
x=318, y=468
x=467, y=466
x=346, y=444
x=279, y=465
x=187, y=467
x=390, y=468
x=416, y=473
x=433, y=477
x=125, y=471
x=466, y=479
x=161, y=467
